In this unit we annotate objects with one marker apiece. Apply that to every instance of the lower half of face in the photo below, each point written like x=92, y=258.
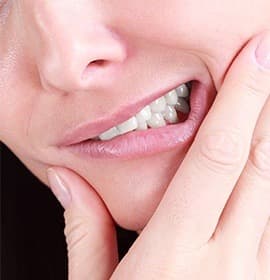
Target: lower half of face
x=143, y=50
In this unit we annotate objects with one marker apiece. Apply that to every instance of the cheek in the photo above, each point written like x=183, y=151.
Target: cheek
x=222, y=31
x=15, y=118
x=215, y=33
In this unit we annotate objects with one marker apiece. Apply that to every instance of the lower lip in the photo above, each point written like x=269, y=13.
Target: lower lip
x=152, y=141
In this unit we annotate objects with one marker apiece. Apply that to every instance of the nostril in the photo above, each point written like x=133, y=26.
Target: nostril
x=93, y=66
x=99, y=62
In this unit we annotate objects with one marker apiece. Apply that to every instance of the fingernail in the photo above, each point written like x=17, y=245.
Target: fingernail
x=59, y=188
x=263, y=52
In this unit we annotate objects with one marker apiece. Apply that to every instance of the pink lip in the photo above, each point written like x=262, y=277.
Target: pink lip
x=94, y=128
x=142, y=143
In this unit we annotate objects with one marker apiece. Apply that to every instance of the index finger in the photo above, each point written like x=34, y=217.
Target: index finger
x=193, y=203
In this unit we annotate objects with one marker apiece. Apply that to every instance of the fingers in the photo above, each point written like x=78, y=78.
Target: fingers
x=194, y=201
x=244, y=219
x=89, y=230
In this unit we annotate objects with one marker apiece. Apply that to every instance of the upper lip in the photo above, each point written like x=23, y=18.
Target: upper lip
x=91, y=129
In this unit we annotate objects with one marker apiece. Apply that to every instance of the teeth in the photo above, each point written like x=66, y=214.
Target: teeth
x=158, y=105
x=128, y=125
x=171, y=97
x=142, y=125
x=157, y=114
x=145, y=113
x=182, y=106
x=143, y=116
x=109, y=134
x=170, y=115
x=156, y=120
x=182, y=91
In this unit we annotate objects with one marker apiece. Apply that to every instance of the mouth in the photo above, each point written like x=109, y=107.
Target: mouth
x=167, y=121
x=173, y=107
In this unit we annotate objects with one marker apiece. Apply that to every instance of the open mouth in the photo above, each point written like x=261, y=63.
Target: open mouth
x=165, y=123
x=171, y=108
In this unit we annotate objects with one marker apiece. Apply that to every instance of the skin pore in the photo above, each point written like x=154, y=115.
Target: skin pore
x=48, y=47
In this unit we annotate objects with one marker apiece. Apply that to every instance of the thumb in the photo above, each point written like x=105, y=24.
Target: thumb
x=89, y=228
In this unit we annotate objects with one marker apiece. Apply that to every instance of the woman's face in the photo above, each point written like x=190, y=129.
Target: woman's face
x=64, y=63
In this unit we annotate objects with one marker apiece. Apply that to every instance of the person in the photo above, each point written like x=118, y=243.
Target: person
x=192, y=176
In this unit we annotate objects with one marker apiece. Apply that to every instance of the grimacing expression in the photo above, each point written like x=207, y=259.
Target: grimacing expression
x=51, y=79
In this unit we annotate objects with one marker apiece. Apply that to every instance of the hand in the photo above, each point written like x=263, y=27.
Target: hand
x=216, y=225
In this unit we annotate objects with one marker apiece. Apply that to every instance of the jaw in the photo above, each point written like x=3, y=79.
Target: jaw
x=132, y=190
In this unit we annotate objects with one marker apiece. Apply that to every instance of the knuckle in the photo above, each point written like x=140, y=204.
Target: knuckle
x=260, y=157
x=75, y=231
x=221, y=151
x=254, y=84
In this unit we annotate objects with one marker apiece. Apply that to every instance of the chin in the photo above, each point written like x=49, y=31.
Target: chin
x=135, y=188
x=133, y=213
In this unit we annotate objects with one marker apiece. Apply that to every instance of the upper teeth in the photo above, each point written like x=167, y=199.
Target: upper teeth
x=156, y=114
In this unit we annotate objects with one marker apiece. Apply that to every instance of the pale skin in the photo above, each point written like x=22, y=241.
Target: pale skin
x=199, y=223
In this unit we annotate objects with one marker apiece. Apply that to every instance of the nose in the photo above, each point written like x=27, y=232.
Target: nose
x=74, y=45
